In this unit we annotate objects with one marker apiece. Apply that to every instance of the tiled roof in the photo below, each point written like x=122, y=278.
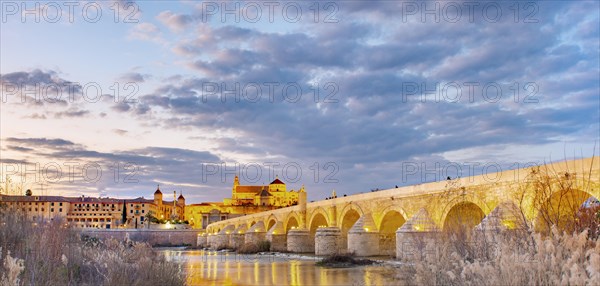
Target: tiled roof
x=7, y=198
x=249, y=189
x=277, y=181
x=265, y=193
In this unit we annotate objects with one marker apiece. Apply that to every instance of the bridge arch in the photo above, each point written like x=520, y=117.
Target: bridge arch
x=462, y=217
x=561, y=208
x=292, y=220
x=392, y=218
x=319, y=211
x=348, y=217
x=319, y=218
x=486, y=208
x=270, y=221
x=391, y=212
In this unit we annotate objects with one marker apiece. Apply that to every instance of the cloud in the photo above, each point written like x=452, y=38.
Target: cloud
x=73, y=113
x=133, y=77
x=120, y=132
x=130, y=171
x=146, y=32
x=365, y=62
x=41, y=142
x=175, y=22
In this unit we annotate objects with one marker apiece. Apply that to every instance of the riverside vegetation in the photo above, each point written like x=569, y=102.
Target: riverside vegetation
x=561, y=248
x=50, y=253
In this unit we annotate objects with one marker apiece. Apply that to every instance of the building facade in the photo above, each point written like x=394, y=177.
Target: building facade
x=89, y=212
x=245, y=199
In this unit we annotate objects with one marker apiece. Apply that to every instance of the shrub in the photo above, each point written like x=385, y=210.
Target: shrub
x=264, y=246
x=533, y=259
x=250, y=248
x=343, y=260
x=48, y=253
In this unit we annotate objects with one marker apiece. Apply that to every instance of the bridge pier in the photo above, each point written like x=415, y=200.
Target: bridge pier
x=363, y=237
x=202, y=240
x=298, y=241
x=221, y=239
x=212, y=241
x=500, y=221
x=328, y=241
x=277, y=237
x=236, y=240
x=256, y=233
x=412, y=237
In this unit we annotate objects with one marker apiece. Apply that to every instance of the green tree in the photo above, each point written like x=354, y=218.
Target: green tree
x=124, y=215
x=149, y=218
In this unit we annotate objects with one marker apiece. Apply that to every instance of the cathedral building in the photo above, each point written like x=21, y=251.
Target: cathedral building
x=245, y=199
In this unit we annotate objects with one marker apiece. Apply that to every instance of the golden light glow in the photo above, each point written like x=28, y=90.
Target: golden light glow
x=508, y=224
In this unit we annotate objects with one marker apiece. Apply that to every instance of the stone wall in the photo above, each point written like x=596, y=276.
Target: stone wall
x=152, y=236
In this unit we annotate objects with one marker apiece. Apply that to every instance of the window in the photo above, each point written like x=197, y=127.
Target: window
x=142, y=211
x=131, y=211
x=141, y=218
x=60, y=210
x=52, y=204
x=52, y=210
x=60, y=204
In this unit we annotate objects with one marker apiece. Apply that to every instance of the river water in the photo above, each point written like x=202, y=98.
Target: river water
x=228, y=268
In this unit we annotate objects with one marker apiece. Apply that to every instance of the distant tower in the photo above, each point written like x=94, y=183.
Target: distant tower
x=302, y=204
x=174, y=210
x=158, y=196
x=181, y=200
x=333, y=195
x=302, y=198
x=181, y=204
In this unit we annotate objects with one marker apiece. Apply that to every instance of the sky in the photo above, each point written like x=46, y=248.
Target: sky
x=112, y=98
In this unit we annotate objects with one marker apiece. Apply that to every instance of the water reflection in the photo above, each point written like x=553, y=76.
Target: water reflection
x=223, y=268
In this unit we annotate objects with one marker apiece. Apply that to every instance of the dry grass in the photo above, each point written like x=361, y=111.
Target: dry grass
x=559, y=259
x=51, y=254
x=561, y=246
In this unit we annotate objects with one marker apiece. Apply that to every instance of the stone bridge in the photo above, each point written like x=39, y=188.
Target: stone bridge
x=376, y=223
